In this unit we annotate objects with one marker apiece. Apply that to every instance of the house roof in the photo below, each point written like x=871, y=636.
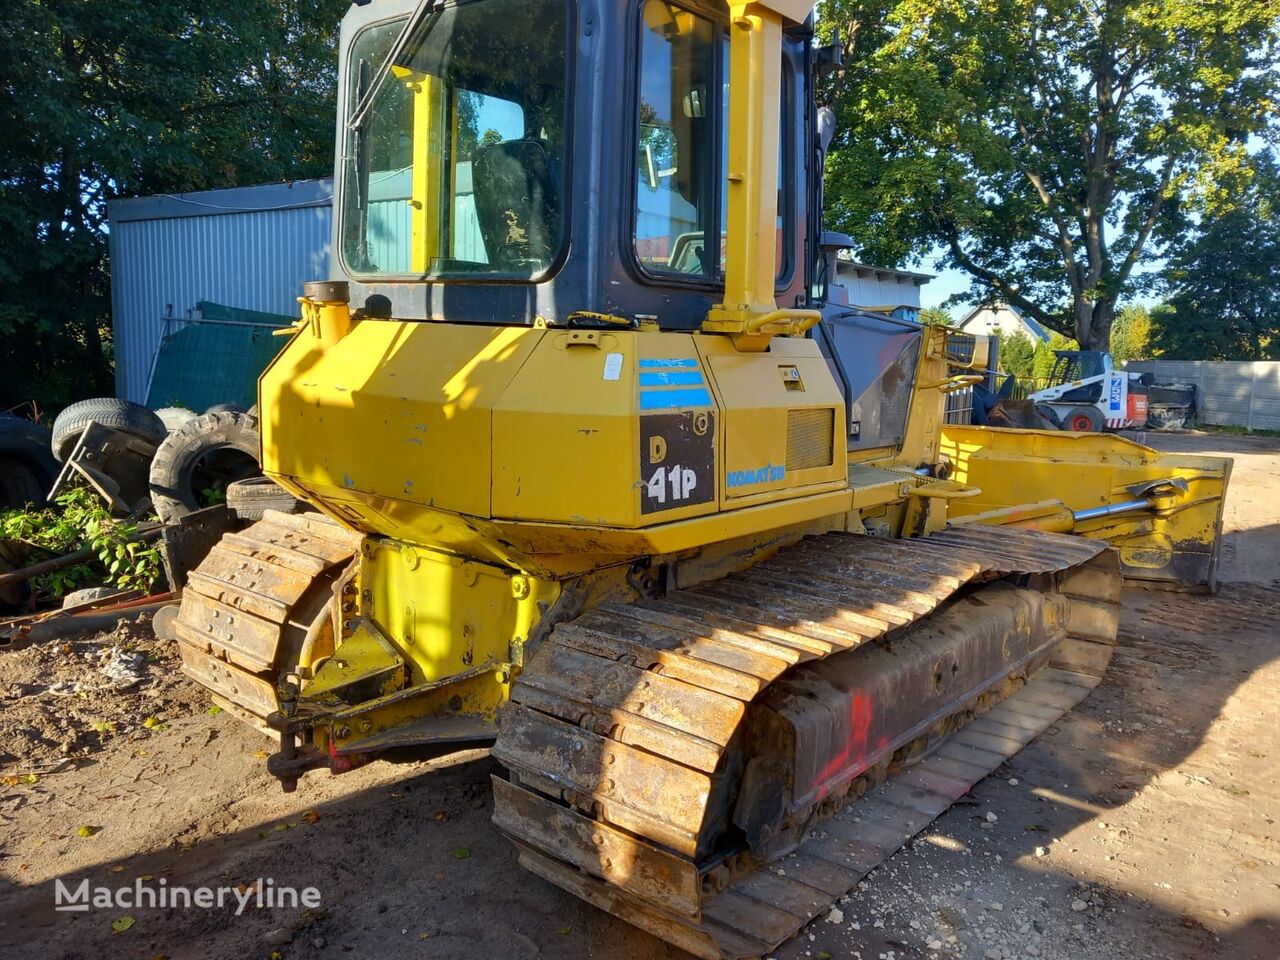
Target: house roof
x=1037, y=330
x=864, y=270
x=271, y=196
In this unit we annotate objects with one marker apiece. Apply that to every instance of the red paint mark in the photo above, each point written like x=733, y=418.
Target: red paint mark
x=855, y=749
x=338, y=764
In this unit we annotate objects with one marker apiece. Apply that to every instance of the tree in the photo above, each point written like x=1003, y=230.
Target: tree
x=1224, y=282
x=1048, y=147
x=1017, y=354
x=110, y=98
x=1045, y=356
x=1131, y=335
x=936, y=317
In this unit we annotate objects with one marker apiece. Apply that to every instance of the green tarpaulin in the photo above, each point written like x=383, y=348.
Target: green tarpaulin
x=216, y=359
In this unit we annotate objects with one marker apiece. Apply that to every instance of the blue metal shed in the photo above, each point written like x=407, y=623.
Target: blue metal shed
x=251, y=248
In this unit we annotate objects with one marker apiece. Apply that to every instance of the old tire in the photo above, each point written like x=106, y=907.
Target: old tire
x=1083, y=420
x=19, y=488
x=250, y=499
x=175, y=418
x=27, y=469
x=197, y=462
x=76, y=597
x=131, y=418
x=226, y=408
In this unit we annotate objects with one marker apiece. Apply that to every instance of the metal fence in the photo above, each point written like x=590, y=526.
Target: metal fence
x=1237, y=393
x=959, y=406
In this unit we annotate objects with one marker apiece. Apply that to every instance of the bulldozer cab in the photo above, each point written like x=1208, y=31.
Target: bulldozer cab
x=524, y=161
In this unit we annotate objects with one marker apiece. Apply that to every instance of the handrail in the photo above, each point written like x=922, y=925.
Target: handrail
x=795, y=321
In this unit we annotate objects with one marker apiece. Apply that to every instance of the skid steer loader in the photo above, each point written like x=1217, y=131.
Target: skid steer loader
x=601, y=479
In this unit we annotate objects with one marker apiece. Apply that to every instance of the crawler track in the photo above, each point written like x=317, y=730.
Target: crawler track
x=663, y=755
x=259, y=606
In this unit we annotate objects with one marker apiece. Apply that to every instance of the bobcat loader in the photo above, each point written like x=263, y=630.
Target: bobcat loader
x=602, y=480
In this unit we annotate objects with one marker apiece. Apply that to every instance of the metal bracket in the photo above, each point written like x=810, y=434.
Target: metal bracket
x=115, y=465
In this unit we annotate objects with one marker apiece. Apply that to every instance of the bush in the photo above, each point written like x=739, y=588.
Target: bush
x=80, y=520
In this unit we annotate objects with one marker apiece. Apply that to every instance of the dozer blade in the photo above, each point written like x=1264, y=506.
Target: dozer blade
x=260, y=605
x=823, y=707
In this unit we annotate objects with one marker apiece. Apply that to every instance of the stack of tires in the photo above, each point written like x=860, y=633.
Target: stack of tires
x=121, y=415
x=200, y=459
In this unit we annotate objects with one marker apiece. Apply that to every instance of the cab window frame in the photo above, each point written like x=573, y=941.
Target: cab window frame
x=567, y=165
x=787, y=205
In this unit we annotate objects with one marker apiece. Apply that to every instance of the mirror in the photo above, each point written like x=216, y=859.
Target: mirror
x=826, y=128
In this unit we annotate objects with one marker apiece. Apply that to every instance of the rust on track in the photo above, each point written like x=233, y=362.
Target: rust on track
x=650, y=770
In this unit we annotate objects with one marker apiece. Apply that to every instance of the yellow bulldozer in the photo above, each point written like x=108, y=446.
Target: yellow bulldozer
x=603, y=477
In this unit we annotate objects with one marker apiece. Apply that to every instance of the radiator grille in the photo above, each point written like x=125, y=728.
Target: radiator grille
x=810, y=435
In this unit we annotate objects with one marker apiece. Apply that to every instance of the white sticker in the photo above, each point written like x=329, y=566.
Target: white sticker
x=613, y=366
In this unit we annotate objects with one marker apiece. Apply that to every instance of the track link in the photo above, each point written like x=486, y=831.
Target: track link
x=628, y=732
x=260, y=605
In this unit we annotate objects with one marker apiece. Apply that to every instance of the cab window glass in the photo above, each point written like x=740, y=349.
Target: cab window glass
x=455, y=151
x=681, y=218
x=676, y=163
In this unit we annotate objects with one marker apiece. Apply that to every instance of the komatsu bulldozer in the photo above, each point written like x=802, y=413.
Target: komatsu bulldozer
x=602, y=478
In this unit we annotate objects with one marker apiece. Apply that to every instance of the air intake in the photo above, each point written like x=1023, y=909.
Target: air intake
x=810, y=437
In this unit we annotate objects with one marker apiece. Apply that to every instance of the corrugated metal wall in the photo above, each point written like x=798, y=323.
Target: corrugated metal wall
x=1237, y=393
x=251, y=248
x=868, y=287
x=390, y=232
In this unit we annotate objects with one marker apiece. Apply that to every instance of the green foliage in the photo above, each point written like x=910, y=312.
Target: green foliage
x=81, y=520
x=1224, y=283
x=1131, y=335
x=1047, y=147
x=212, y=496
x=1031, y=360
x=116, y=98
x=936, y=317
x=1042, y=364
x=1017, y=354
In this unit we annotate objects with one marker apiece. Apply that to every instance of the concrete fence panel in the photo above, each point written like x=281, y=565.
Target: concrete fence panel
x=1237, y=393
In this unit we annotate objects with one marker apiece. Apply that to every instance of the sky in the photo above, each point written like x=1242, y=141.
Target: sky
x=945, y=283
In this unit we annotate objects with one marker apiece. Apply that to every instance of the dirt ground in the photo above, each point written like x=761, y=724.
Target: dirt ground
x=1140, y=825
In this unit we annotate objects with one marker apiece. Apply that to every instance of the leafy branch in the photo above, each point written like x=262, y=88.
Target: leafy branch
x=81, y=521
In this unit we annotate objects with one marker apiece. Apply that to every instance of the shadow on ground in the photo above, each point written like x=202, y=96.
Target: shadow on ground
x=410, y=865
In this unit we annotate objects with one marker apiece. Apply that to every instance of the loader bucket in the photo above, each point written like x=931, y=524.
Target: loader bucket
x=1018, y=413
x=1162, y=512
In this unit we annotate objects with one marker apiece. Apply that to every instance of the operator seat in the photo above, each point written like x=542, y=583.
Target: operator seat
x=516, y=185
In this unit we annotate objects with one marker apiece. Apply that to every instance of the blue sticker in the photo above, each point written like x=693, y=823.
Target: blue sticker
x=674, y=362
x=671, y=399
x=1113, y=401
x=690, y=379
x=769, y=473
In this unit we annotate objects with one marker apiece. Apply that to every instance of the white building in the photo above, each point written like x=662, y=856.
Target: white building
x=1003, y=320
x=881, y=289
